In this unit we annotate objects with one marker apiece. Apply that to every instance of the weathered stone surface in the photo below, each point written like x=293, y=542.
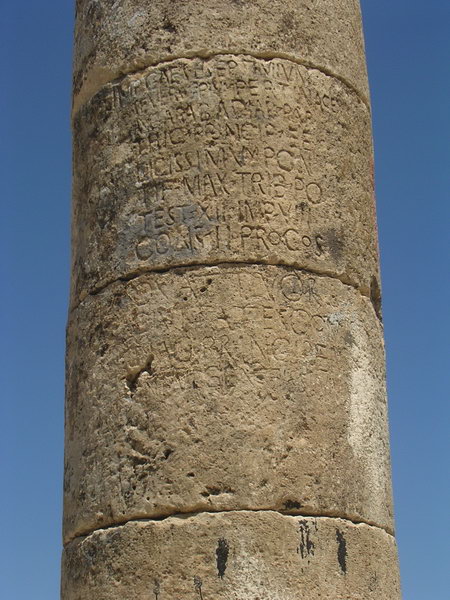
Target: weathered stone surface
x=230, y=159
x=233, y=556
x=226, y=418
x=225, y=388
x=112, y=38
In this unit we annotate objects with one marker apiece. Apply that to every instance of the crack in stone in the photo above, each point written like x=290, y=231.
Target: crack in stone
x=98, y=289
x=227, y=264
x=82, y=97
x=187, y=515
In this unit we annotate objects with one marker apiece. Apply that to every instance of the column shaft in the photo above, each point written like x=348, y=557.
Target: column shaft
x=226, y=421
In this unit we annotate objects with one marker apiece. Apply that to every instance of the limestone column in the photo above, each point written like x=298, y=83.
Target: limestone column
x=226, y=426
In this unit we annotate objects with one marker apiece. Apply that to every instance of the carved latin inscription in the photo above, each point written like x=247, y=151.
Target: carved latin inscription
x=226, y=427
x=226, y=159
x=219, y=388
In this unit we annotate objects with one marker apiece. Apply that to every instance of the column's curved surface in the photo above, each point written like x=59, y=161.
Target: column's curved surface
x=226, y=421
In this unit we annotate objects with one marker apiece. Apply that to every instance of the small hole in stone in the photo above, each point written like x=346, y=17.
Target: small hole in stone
x=292, y=504
x=170, y=27
x=167, y=453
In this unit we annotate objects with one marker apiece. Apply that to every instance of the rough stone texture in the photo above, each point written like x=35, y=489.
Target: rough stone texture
x=226, y=428
x=226, y=159
x=112, y=38
x=234, y=556
x=225, y=388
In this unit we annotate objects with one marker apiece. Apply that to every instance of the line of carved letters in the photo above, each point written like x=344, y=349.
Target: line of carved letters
x=273, y=328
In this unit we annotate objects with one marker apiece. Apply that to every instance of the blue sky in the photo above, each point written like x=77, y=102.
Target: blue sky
x=408, y=52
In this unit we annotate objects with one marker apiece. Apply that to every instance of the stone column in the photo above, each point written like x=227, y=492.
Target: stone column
x=226, y=427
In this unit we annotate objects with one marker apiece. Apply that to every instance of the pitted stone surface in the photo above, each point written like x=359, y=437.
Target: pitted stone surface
x=112, y=38
x=225, y=361
x=230, y=159
x=233, y=556
x=225, y=388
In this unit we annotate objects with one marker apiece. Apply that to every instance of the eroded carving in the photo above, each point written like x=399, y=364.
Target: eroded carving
x=226, y=159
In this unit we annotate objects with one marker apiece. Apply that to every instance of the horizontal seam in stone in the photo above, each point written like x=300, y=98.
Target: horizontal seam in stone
x=205, y=55
x=187, y=515
x=225, y=264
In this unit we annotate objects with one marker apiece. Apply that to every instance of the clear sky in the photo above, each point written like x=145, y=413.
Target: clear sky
x=408, y=52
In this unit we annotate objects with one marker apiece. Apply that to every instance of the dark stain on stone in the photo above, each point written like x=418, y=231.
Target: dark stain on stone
x=306, y=545
x=292, y=505
x=222, y=552
x=342, y=551
x=156, y=589
x=198, y=586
